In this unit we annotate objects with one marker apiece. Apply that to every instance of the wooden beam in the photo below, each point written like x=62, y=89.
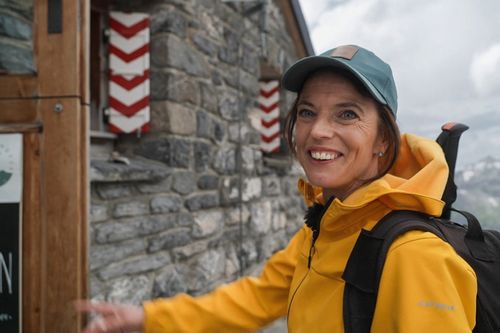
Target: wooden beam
x=31, y=231
x=63, y=220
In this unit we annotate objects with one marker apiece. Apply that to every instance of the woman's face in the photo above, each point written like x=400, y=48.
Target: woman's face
x=336, y=134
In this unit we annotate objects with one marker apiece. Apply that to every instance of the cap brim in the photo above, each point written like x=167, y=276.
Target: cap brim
x=294, y=77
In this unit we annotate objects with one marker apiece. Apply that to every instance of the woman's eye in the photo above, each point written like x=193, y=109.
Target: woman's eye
x=305, y=113
x=348, y=115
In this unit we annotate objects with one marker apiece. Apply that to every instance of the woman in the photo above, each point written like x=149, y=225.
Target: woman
x=342, y=131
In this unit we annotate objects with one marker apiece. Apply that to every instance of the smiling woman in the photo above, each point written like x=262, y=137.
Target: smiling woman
x=343, y=133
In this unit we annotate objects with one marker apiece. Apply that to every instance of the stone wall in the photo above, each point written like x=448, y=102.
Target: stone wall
x=199, y=204
x=16, y=37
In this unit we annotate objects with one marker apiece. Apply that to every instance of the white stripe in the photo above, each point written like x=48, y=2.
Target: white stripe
x=128, y=19
x=131, y=44
x=271, y=130
x=267, y=86
x=135, y=67
x=269, y=100
x=126, y=124
x=129, y=97
x=270, y=146
x=271, y=115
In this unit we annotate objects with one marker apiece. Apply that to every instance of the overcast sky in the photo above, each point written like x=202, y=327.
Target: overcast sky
x=445, y=55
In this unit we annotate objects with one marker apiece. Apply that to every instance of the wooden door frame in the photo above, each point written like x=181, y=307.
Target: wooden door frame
x=50, y=109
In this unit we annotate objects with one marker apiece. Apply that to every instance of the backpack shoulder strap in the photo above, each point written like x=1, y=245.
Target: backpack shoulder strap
x=364, y=267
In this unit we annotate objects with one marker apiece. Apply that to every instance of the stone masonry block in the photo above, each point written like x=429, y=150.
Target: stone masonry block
x=252, y=188
x=166, y=204
x=207, y=223
x=184, y=182
x=135, y=265
x=133, y=208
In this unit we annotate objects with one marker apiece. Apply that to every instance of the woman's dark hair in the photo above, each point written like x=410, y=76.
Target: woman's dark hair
x=387, y=126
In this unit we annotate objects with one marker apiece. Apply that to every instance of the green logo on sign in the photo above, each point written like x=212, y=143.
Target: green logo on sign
x=4, y=177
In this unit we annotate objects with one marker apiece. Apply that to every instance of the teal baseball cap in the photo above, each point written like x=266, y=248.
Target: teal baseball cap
x=373, y=72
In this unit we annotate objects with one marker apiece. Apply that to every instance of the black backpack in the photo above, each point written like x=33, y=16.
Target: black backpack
x=480, y=248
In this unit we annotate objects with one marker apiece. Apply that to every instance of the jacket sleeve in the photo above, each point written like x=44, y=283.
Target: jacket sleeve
x=244, y=305
x=425, y=287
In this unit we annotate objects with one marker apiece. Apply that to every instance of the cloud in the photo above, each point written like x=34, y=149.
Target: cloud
x=445, y=54
x=485, y=71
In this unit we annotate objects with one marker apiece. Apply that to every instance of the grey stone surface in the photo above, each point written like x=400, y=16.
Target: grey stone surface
x=202, y=201
x=98, y=212
x=174, y=152
x=207, y=223
x=184, y=182
x=168, y=20
x=158, y=84
x=252, y=188
x=181, y=120
x=169, y=282
x=205, y=45
x=271, y=186
x=155, y=187
x=169, y=240
x=101, y=255
x=132, y=208
x=202, y=156
x=128, y=228
x=137, y=170
x=209, y=127
x=130, y=290
x=108, y=191
x=224, y=161
x=169, y=50
x=135, y=265
x=166, y=204
x=209, y=96
x=183, y=89
x=189, y=250
x=209, y=266
x=208, y=182
x=228, y=106
x=260, y=220
x=229, y=192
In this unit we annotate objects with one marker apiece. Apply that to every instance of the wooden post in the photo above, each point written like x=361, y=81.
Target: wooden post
x=51, y=110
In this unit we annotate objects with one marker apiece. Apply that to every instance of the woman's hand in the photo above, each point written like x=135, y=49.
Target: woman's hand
x=112, y=318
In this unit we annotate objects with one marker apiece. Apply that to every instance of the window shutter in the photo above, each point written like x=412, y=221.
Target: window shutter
x=269, y=98
x=129, y=72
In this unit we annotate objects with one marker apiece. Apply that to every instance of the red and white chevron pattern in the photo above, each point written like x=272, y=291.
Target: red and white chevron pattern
x=129, y=72
x=270, y=122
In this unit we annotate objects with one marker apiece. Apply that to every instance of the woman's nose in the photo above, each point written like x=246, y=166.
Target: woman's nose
x=321, y=129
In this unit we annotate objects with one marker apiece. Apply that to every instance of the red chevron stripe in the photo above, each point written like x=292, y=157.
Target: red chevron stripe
x=129, y=84
x=128, y=111
x=145, y=128
x=269, y=93
x=270, y=138
x=125, y=31
x=275, y=150
x=269, y=123
x=128, y=57
x=268, y=109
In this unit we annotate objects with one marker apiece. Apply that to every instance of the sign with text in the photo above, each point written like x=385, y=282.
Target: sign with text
x=10, y=232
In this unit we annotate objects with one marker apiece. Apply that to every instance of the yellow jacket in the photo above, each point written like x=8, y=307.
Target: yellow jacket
x=425, y=285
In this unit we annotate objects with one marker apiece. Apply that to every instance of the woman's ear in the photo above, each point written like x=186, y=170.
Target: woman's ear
x=381, y=145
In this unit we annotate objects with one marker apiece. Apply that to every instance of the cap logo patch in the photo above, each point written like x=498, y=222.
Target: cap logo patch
x=346, y=52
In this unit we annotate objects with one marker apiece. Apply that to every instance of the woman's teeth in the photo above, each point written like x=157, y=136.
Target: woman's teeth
x=323, y=156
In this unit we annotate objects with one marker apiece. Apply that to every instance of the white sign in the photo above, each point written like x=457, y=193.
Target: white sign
x=11, y=167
